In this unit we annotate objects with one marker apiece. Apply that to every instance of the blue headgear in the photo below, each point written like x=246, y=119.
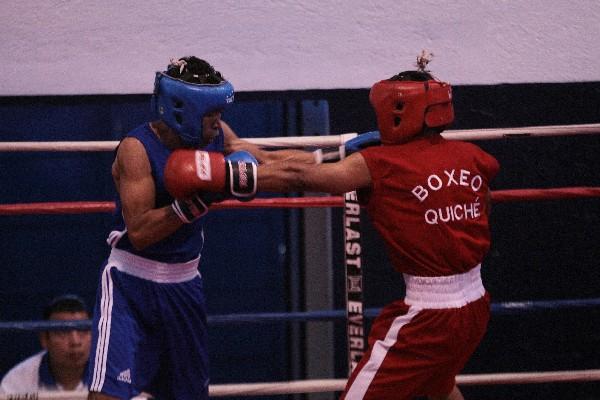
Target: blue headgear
x=182, y=105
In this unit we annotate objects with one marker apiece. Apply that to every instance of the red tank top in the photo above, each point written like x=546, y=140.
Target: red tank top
x=428, y=202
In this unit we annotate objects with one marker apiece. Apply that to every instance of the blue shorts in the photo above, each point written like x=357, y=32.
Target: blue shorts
x=149, y=330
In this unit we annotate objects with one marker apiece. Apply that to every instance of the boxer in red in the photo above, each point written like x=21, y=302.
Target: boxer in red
x=429, y=200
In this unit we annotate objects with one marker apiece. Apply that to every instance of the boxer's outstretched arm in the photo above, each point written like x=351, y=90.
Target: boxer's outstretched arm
x=340, y=177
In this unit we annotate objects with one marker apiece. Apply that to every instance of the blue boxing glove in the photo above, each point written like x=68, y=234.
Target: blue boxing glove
x=240, y=175
x=353, y=145
x=362, y=141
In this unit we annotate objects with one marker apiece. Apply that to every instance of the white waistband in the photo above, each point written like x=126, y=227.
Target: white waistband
x=451, y=291
x=153, y=270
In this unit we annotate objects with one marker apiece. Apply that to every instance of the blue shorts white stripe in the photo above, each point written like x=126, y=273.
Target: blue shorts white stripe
x=103, y=327
x=148, y=315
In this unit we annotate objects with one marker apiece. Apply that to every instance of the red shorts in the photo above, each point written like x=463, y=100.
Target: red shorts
x=416, y=351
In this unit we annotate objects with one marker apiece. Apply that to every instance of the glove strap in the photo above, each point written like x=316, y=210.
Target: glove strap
x=330, y=156
x=189, y=210
x=318, y=154
x=342, y=150
x=242, y=179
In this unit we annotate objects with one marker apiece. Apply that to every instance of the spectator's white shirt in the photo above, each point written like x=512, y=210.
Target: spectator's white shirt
x=32, y=375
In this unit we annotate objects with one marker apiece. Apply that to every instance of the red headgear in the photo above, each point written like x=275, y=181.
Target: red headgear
x=405, y=107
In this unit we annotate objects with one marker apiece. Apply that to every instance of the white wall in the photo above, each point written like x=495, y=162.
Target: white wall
x=114, y=46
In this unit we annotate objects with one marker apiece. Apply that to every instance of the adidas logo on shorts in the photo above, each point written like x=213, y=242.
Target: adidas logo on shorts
x=125, y=376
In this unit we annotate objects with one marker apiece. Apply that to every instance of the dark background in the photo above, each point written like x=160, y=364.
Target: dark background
x=543, y=250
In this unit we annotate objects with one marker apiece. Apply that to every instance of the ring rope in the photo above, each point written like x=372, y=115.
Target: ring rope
x=83, y=207
x=327, y=140
x=506, y=308
x=337, y=385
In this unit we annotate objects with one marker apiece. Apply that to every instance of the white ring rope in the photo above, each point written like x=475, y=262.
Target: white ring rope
x=333, y=385
x=325, y=141
x=337, y=385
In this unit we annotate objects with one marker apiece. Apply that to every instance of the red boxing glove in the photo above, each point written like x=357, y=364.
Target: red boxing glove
x=190, y=171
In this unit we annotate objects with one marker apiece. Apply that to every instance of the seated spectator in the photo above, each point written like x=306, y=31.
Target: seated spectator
x=62, y=365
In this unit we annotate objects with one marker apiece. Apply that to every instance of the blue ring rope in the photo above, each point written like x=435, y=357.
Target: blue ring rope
x=507, y=308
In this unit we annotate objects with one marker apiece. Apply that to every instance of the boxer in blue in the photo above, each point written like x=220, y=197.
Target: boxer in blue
x=149, y=327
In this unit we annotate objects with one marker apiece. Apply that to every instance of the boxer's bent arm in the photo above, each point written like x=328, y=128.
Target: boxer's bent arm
x=146, y=225
x=234, y=143
x=340, y=177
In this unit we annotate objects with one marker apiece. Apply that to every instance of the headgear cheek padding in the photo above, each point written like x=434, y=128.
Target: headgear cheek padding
x=404, y=108
x=182, y=105
x=439, y=115
x=440, y=112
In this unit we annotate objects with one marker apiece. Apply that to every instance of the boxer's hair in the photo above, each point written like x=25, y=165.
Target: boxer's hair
x=416, y=76
x=194, y=70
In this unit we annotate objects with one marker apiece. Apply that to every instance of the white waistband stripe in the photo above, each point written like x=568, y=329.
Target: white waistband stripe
x=153, y=270
x=444, y=291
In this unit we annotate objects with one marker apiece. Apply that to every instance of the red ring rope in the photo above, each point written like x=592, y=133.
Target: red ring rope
x=83, y=207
